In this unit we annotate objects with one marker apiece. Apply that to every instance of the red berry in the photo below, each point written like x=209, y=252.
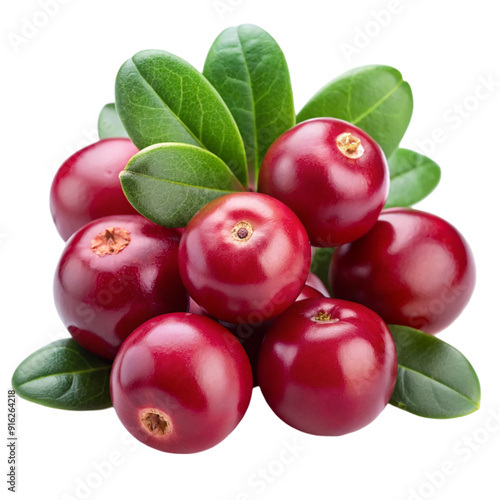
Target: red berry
x=332, y=175
x=244, y=257
x=87, y=186
x=181, y=383
x=412, y=268
x=114, y=274
x=327, y=366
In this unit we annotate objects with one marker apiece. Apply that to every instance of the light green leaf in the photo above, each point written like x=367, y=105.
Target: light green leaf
x=413, y=177
x=168, y=183
x=374, y=98
x=249, y=70
x=161, y=98
x=434, y=379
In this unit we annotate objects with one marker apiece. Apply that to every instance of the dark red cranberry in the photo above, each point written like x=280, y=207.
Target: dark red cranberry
x=412, y=268
x=332, y=174
x=244, y=257
x=181, y=383
x=327, y=366
x=114, y=274
x=87, y=186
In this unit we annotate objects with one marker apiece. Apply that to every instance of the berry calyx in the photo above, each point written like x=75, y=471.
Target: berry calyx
x=110, y=241
x=155, y=422
x=350, y=145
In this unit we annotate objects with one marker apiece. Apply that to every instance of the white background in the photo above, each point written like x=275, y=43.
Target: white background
x=53, y=87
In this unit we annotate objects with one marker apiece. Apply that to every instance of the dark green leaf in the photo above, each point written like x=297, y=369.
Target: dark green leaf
x=109, y=124
x=168, y=183
x=375, y=98
x=66, y=376
x=161, y=98
x=320, y=265
x=434, y=379
x=413, y=177
x=249, y=70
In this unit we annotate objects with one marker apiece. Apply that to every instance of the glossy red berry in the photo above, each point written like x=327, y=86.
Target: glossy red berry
x=181, y=383
x=244, y=257
x=412, y=268
x=332, y=174
x=87, y=186
x=327, y=366
x=114, y=274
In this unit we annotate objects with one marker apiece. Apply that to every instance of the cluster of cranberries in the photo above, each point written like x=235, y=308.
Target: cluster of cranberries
x=195, y=317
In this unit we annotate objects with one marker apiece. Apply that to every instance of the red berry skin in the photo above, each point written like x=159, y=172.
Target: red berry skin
x=327, y=366
x=101, y=299
x=190, y=371
x=337, y=198
x=412, y=268
x=251, y=336
x=316, y=283
x=87, y=185
x=244, y=257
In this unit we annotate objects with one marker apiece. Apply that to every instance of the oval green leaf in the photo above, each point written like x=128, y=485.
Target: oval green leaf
x=66, y=376
x=374, y=98
x=161, y=98
x=249, y=70
x=413, y=177
x=109, y=124
x=168, y=183
x=434, y=379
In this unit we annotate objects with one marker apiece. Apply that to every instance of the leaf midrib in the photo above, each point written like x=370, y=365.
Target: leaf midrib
x=440, y=383
x=413, y=169
x=377, y=104
x=198, y=140
x=254, y=121
x=131, y=172
x=78, y=372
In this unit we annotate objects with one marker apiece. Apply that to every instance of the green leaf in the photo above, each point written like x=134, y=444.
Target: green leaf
x=109, y=124
x=66, y=376
x=434, y=379
x=320, y=265
x=413, y=177
x=168, y=183
x=374, y=98
x=249, y=70
x=161, y=98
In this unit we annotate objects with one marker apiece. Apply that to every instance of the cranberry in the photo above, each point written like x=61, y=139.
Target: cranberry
x=181, y=383
x=115, y=273
x=244, y=257
x=332, y=175
x=87, y=186
x=413, y=268
x=327, y=366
